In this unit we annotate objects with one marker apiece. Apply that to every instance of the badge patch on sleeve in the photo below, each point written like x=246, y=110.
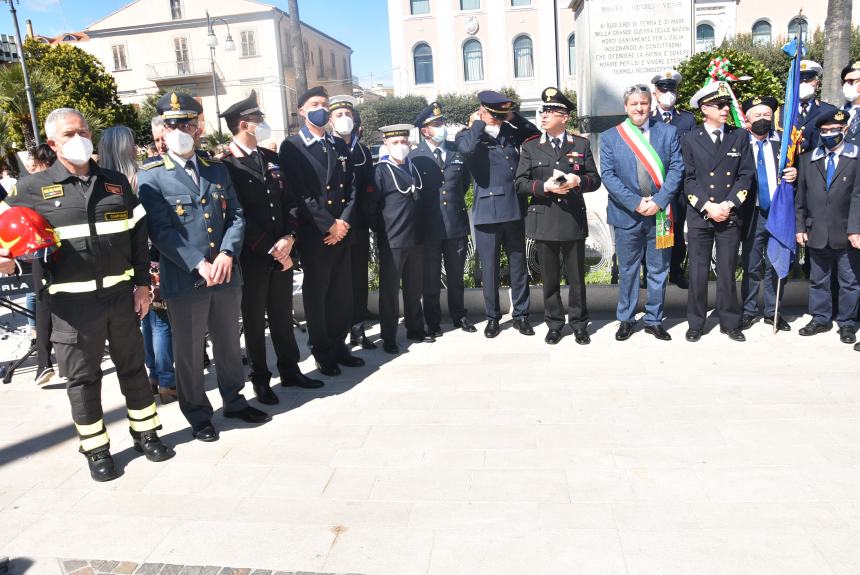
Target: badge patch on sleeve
x=116, y=216
x=54, y=191
x=113, y=189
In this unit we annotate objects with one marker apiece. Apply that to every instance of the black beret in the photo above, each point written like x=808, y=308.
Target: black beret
x=430, y=113
x=315, y=91
x=768, y=101
x=246, y=107
x=833, y=117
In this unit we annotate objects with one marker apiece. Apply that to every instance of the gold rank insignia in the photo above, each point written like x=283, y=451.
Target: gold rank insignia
x=54, y=191
x=756, y=101
x=437, y=111
x=803, y=66
x=838, y=116
x=550, y=92
x=855, y=65
x=723, y=90
x=174, y=102
x=742, y=195
x=668, y=75
x=113, y=189
x=180, y=211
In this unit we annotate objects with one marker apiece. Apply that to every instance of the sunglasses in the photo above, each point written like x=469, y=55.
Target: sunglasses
x=719, y=105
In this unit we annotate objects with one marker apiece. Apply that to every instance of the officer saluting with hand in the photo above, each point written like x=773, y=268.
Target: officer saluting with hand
x=196, y=223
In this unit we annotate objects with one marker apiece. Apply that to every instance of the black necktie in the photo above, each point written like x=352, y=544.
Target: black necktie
x=192, y=169
x=804, y=108
x=439, y=161
x=667, y=117
x=718, y=140
x=556, y=144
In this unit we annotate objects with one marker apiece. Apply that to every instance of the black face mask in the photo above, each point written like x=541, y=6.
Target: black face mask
x=761, y=127
x=831, y=141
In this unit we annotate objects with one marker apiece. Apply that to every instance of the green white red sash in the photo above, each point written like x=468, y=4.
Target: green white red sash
x=650, y=160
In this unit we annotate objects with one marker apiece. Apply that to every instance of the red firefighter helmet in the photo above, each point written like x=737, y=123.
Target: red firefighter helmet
x=27, y=234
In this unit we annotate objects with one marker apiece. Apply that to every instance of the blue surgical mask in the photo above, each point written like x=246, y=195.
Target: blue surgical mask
x=833, y=140
x=318, y=117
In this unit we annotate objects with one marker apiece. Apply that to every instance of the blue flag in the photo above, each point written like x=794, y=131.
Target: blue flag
x=781, y=245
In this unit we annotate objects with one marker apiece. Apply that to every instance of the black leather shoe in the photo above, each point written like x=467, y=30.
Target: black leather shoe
x=150, y=445
x=434, y=331
x=659, y=332
x=581, y=336
x=553, y=336
x=523, y=326
x=366, y=343
x=813, y=328
x=265, y=395
x=734, y=334
x=390, y=347
x=747, y=321
x=420, y=337
x=301, y=380
x=846, y=334
x=492, y=329
x=101, y=465
x=781, y=324
x=357, y=338
x=206, y=434
x=679, y=280
x=350, y=361
x=248, y=414
x=693, y=335
x=625, y=330
x=328, y=370
x=857, y=347
x=465, y=325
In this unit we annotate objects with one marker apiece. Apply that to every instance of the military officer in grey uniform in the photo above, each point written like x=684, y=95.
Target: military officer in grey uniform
x=555, y=169
x=444, y=219
x=491, y=147
x=196, y=223
x=719, y=172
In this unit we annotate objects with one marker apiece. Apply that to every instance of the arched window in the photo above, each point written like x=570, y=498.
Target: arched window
x=523, y=57
x=704, y=37
x=422, y=59
x=798, y=25
x=761, y=32
x=473, y=61
x=571, y=55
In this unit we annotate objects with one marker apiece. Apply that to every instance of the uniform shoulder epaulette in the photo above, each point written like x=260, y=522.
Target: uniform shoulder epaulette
x=150, y=165
x=207, y=158
x=530, y=138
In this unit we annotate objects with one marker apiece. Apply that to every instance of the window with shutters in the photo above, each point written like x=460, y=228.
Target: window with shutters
x=176, y=9
x=120, y=59
x=249, y=43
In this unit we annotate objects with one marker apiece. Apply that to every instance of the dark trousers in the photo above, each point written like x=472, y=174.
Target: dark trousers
x=268, y=292
x=846, y=264
x=43, y=319
x=757, y=267
x=327, y=297
x=489, y=238
x=190, y=316
x=679, y=250
x=82, y=325
x=570, y=255
x=396, y=264
x=359, y=259
x=453, y=253
x=701, y=243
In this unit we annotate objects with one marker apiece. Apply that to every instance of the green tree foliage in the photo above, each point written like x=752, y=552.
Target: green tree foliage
x=762, y=80
x=13, y=102
x=386, y=112
x=82, y=83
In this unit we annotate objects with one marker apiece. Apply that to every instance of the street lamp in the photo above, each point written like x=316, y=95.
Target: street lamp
x=31, y=100
x=212, y=42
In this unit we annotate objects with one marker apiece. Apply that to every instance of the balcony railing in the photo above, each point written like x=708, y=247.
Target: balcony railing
x=178, y=70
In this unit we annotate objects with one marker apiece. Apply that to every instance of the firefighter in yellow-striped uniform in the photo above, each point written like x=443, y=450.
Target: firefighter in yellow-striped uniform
x=99, y=282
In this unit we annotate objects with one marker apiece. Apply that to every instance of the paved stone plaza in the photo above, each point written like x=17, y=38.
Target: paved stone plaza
x=470, y=456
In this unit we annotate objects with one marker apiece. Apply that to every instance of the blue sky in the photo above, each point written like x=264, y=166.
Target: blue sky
x=364, y=29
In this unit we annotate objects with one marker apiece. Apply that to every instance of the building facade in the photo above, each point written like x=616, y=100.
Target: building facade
x=154, y=45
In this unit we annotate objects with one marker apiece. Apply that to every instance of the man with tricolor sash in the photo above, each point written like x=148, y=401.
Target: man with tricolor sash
x=719, y=173
x=642, y=168
x=99, y=284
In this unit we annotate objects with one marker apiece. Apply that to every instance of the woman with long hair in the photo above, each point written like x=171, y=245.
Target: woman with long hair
x=117, y=151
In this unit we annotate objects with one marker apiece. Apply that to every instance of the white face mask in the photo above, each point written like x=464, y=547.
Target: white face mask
x=850, y=92
x=262, y=132
x=667, y=100
x=805, y=91
x=493, y=130
x=439, y=134
x=179, y=142
x=77, y=150
x=343, y=125
x=398, y=151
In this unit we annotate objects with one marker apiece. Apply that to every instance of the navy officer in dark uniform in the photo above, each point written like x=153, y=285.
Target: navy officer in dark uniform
x=196, y=223
x=444, y=219
x=810, y=106
x=719, y=172
x=826, y=210
x=555, y=169
x=321, y=179
x=269, y=209
x=401, y=255
x=491, y=147
x=665, y=97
